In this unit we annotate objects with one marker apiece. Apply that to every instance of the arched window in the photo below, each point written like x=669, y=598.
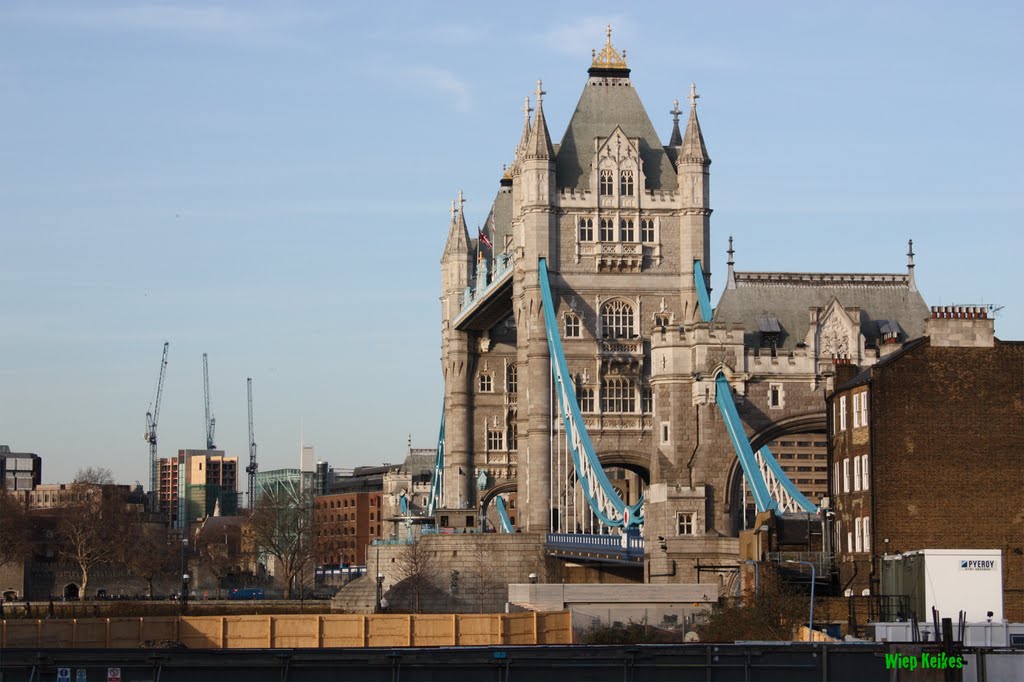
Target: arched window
x=513, y=435
x=617, y=319
x=618, y=395
x=585, y=397
x=647, y=230
x=572, y=326
x=586, y=229
x=511, y=379
x=607, y=183
x=626, y=183
x=626, y=232
x=607, y=230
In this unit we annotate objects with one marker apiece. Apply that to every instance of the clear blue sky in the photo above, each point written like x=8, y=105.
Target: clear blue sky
x=269, y=183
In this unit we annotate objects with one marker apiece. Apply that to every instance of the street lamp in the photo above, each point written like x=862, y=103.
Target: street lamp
x=380, y=592
x=756, y=571
x=184, y=574
x=810, y=625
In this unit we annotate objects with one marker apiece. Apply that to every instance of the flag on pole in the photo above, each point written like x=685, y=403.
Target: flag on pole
x=483, y=238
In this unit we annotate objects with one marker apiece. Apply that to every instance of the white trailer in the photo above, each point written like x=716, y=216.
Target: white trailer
x=951, y=580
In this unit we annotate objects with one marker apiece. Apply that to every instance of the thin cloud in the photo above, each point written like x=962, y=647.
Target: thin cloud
x=582, y=36
x=434, y=78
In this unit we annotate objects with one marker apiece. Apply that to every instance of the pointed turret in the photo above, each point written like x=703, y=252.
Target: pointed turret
x=677, y=139
x=539, y=145
x=910, y=265
x=458, y=234
x=693, y=141
x=524, y=139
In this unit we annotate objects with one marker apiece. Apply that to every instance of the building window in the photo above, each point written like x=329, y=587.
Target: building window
x=647, y=230
x=626, y=230
x=626, y=183
x=618, y=396
x=686, y=523
x=513, y=435
x=586, y=229
x=867, y=533
x=607, y=183
x=495, y=440
x=856, y=410
x=665, y=432
x=864, y=408
x=646, y=400
x=572, y=326
x=842, y=413
x=775, y=396
x=858, y=538
x=607, y=230
x=511, y=379
x=849, y=541
x=617, y=320
x=486, y=383
x=846, y=475
x=864, y=472
x=856, y=473
x=835, y=477
x=585, y=397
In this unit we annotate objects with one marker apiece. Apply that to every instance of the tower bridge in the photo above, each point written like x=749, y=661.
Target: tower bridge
x=578, y=335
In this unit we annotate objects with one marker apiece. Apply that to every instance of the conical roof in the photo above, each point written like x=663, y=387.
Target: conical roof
x=539, y=146
x=693, y=140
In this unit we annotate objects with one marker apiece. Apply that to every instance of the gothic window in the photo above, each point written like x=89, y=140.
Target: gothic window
x=512, y=379
x=775, y=396
x=618, y=395
x=647, y=230
x=607, y=230
x=586, y=229
x=646, y=400
x=495, y=440
x=572, y=326
x=513, y=436
x=486, y=383
x=685, y=523
x=662, y=319
x=617, y=319
x=607, y=183
x=585, y=397
x=626, y=183
x=626, y=229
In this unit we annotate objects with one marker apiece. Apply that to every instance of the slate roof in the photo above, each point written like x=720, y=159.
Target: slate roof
x=606, y=103
x=790, y=296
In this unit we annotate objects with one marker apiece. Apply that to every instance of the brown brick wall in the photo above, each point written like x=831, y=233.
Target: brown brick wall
x=947, y=471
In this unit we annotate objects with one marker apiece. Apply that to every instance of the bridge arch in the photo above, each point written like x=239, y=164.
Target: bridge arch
x=810, y=422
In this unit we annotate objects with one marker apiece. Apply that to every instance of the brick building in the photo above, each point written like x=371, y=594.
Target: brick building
x=194, y=482
x=345, y=523
x=925, y=453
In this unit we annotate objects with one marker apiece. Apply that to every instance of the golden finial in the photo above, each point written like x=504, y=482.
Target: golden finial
x=608, y=57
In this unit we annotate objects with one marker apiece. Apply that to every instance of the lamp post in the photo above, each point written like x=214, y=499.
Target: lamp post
x=380, y=592
x=184, y=574
x=756, y=572
x=810, y=625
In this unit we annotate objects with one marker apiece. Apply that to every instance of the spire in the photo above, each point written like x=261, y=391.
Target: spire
x=539, y=145
x=677, y=139
x=693, y=141
x=731, y=280
x=910, y=264
x=524, y=140
x=458, y=235
x=608, y=62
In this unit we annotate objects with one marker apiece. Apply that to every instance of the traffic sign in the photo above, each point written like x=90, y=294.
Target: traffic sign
x=63, y=674
x=80, y=675
x=113, y=675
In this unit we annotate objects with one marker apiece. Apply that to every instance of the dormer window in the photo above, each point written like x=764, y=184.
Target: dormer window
x=626, y=183
x=607, y=185
x=769, y=328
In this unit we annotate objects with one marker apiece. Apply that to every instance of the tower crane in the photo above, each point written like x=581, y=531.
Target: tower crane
x=251, y=469
x=211, y=422
x=152, y=415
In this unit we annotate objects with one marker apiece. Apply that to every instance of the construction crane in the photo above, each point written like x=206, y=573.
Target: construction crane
x=152, y=415
x=251, y=469
x=211, y=423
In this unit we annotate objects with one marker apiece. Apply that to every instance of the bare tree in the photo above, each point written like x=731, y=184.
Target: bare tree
x=282, y=527
x=774, y=613
x=418, y=567
x=93, y=529
x=15, y=530
x=481, y=574
x=148, y=552
x=95, y=476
